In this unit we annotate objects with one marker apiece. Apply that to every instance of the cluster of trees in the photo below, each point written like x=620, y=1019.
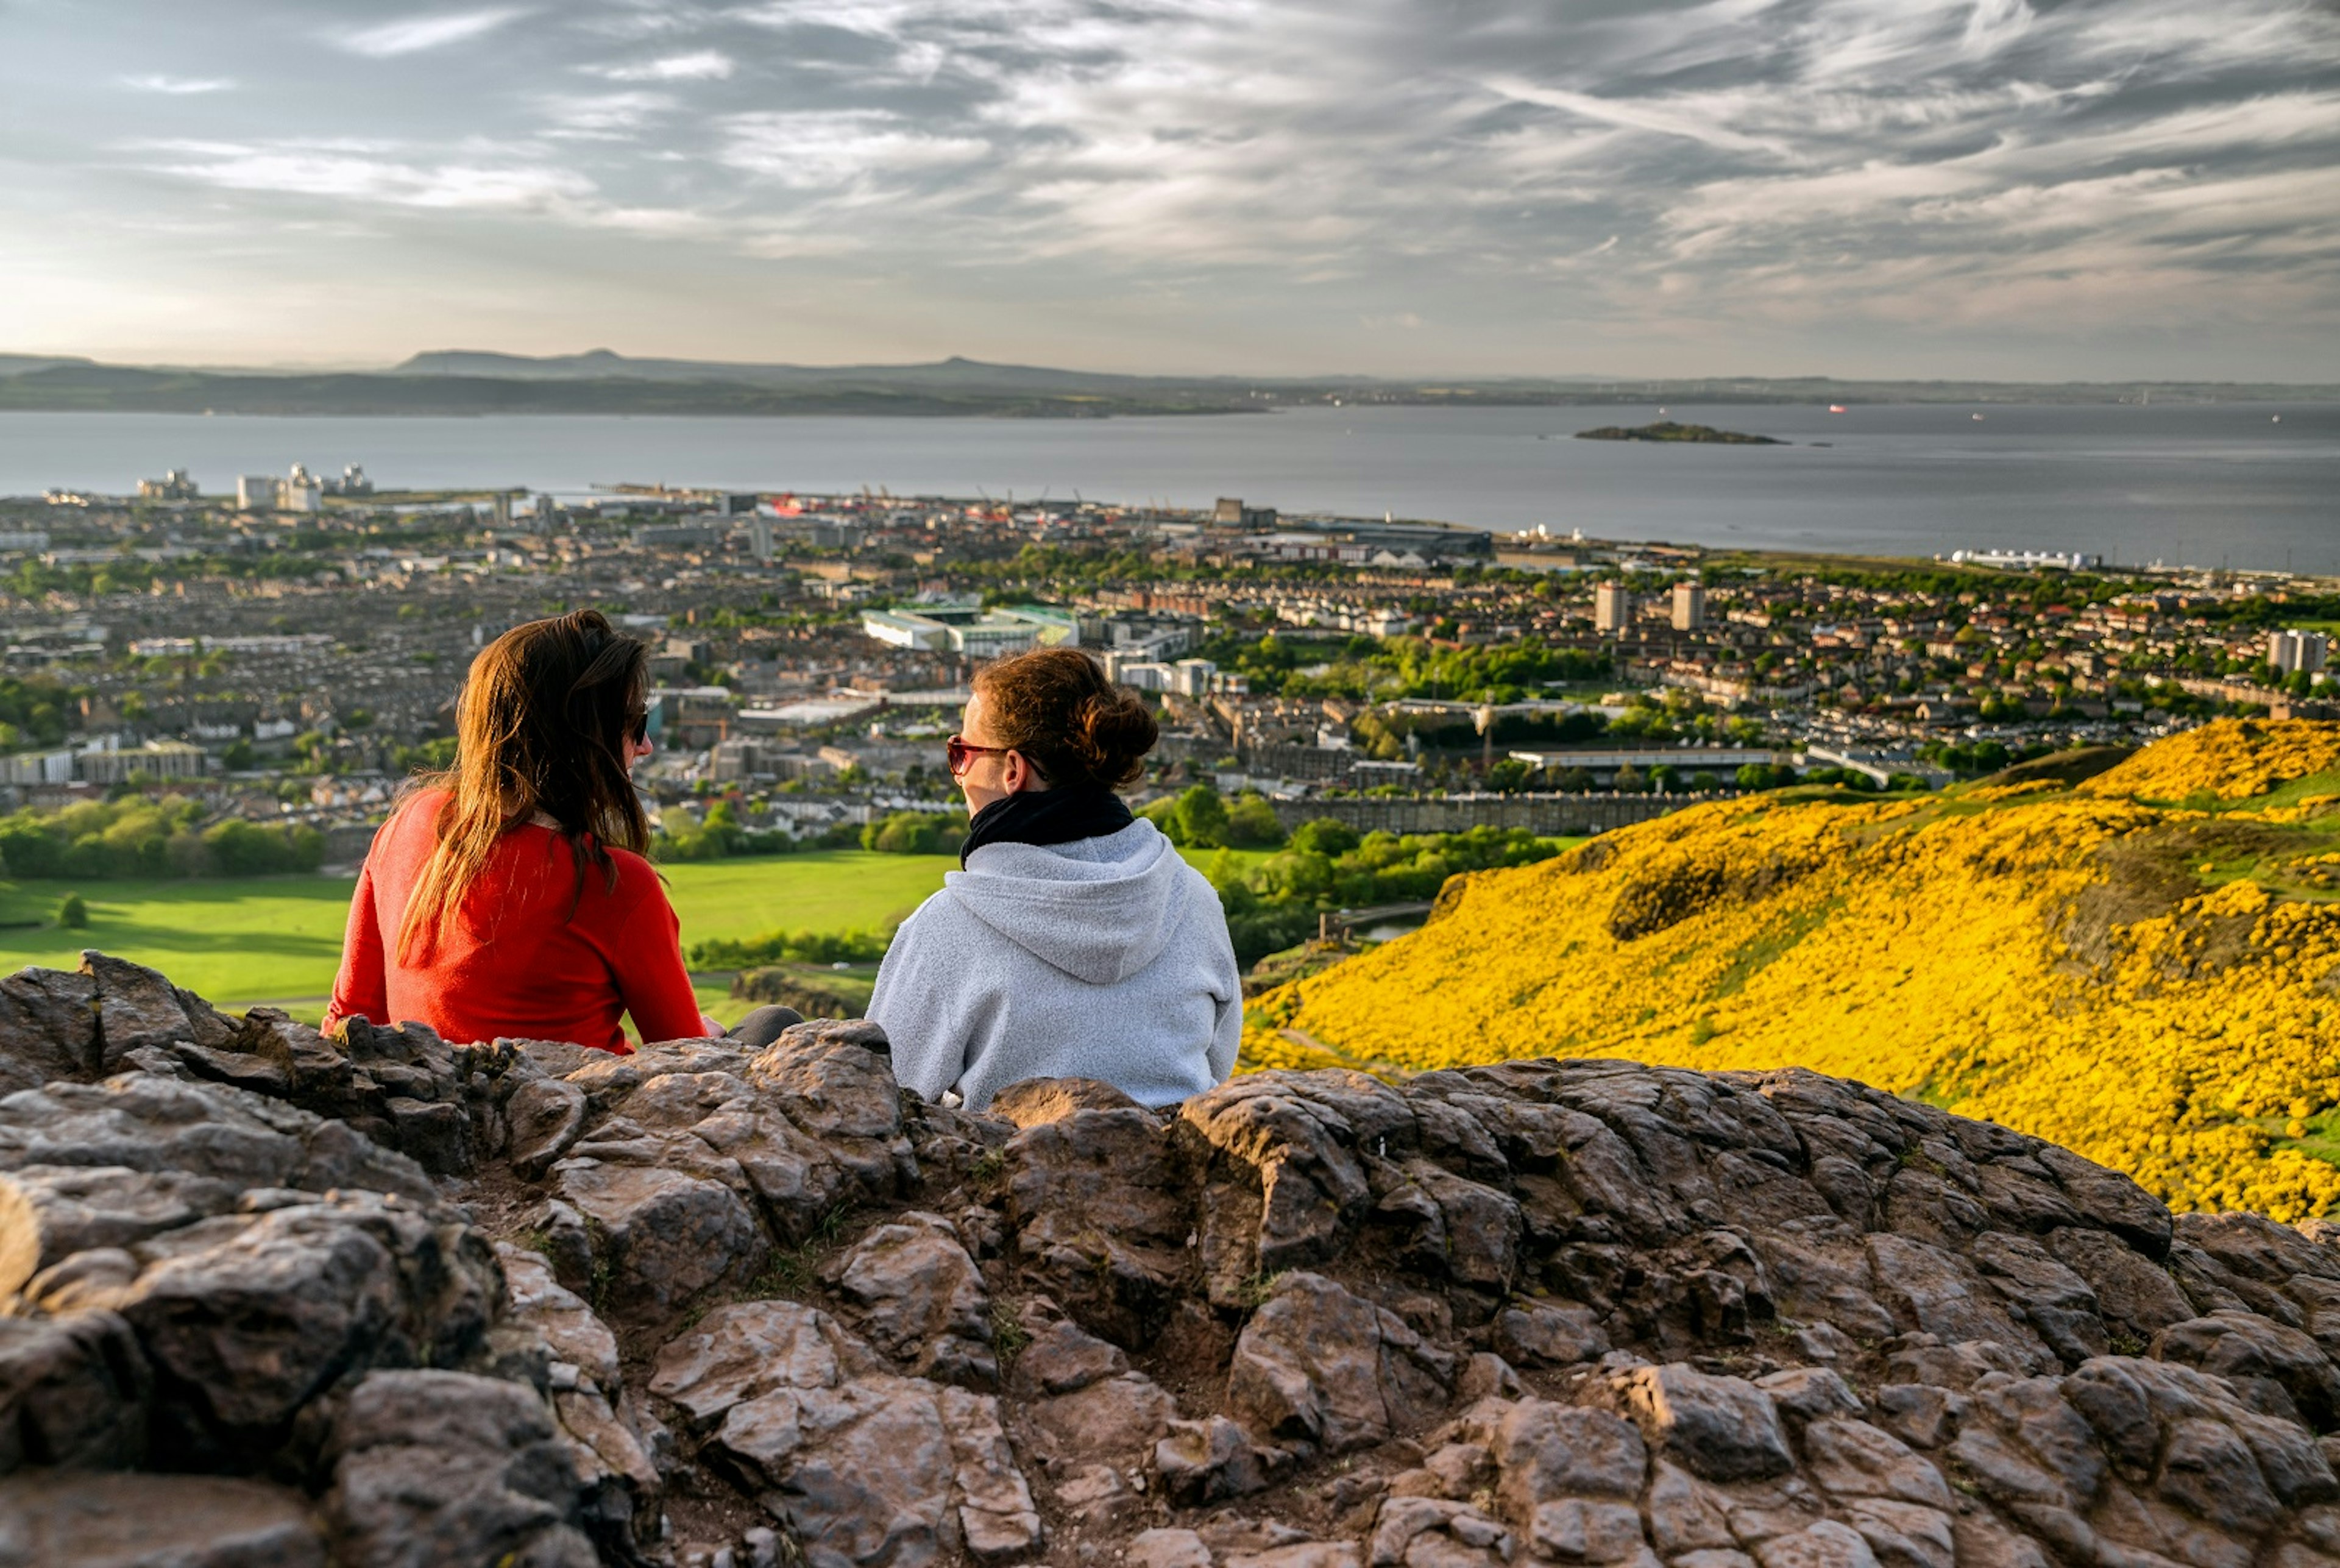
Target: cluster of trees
x=1853, y=779
x=2298, y=683
x=719, y=835
x=1649, y=718
x=32, y=712
x=1328, y=865
x=142, y=838
x=1513, y=776
x=914, y=833
x=1969, y=761
x=1202, y=818
x=859, y=947
x=1385, y=668
x=33, y=580
x=2294, y=609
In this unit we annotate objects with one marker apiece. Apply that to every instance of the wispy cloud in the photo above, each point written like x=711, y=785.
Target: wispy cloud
x=178, y=87
x=414, y=35
x=699, y=66
x=818, y=151
x=1687, y=167
x=607, y=114
x=1660, y=115
x=374, y=173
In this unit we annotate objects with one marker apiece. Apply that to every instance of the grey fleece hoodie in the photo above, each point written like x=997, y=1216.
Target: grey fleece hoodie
x=1104, y=957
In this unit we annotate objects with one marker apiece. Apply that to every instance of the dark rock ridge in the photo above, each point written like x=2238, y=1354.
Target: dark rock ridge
x=271, y=1298
x=1673, y=431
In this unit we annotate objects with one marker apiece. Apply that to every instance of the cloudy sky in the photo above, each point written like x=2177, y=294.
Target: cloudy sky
x=2016, y=188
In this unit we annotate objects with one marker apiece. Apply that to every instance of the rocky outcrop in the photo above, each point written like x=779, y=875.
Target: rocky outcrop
x=267, y=1297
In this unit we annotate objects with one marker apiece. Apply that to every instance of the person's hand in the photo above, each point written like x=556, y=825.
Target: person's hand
x=709, y=1028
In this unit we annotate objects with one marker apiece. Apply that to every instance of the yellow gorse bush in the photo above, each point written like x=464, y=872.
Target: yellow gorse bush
x=2155, y=987
x=2233, y=759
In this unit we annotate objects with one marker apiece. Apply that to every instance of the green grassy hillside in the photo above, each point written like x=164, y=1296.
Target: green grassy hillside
x=278, y=939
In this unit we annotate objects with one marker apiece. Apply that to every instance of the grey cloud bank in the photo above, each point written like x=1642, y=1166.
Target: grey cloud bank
x=1861, y=188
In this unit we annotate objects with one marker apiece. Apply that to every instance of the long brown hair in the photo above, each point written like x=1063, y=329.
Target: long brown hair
x=1055, y=706
x=546, y=720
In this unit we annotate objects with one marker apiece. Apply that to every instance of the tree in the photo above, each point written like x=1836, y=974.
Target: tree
x=71, y=913
x=1201, y=817
x=240, y=849
x=1252, y=824
x=902, y=833
x=1324, y=836
x=1163, y=814
x=1509, y=776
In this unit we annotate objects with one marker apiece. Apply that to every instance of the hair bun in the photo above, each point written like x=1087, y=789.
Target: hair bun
x=1056, y=706
x=1111, y=733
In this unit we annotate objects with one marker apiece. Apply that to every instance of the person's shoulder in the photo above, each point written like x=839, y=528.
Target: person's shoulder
x=636, y=875
x=939, y=913
x=412, y=815
x=423, y=803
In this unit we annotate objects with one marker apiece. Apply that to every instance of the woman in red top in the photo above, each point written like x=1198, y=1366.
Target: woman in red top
x=508, y=896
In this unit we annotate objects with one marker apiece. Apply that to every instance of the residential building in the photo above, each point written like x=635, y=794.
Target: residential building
x=37, y=768
x=1612, y=607
x=155, y=759
x=175, y=485
x=1689, y=607
x=299, y=491
x=2295, y=651
x=1144, y=674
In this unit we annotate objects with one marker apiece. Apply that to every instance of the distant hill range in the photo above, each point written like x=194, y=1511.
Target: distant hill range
x=953, y=375
x=471, y=382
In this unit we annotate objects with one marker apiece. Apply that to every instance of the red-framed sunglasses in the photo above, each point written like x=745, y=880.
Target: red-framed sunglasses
x=958, y=756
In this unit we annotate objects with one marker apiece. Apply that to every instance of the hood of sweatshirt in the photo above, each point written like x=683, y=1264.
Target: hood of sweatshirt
x=1101, y=910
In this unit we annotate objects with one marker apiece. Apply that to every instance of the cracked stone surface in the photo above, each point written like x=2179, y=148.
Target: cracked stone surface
x=267, y=1297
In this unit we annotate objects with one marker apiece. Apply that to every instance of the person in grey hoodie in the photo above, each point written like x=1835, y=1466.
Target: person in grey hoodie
x=1076, y=942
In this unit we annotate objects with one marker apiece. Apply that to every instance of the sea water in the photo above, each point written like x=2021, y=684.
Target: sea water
x=2246, y=485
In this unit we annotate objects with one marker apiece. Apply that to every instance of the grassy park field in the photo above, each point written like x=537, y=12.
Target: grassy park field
x=278, y=939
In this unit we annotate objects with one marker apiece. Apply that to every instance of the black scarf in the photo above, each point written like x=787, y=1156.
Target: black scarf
x=1055, y=816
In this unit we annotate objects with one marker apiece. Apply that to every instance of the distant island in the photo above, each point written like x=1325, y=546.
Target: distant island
x=1668, y=429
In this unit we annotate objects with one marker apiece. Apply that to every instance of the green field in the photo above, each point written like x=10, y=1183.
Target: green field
x=278, y=939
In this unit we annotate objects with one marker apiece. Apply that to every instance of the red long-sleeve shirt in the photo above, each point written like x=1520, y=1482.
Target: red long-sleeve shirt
x=515, y=961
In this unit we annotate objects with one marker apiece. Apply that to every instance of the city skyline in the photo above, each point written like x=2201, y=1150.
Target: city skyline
x=1981, y=189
